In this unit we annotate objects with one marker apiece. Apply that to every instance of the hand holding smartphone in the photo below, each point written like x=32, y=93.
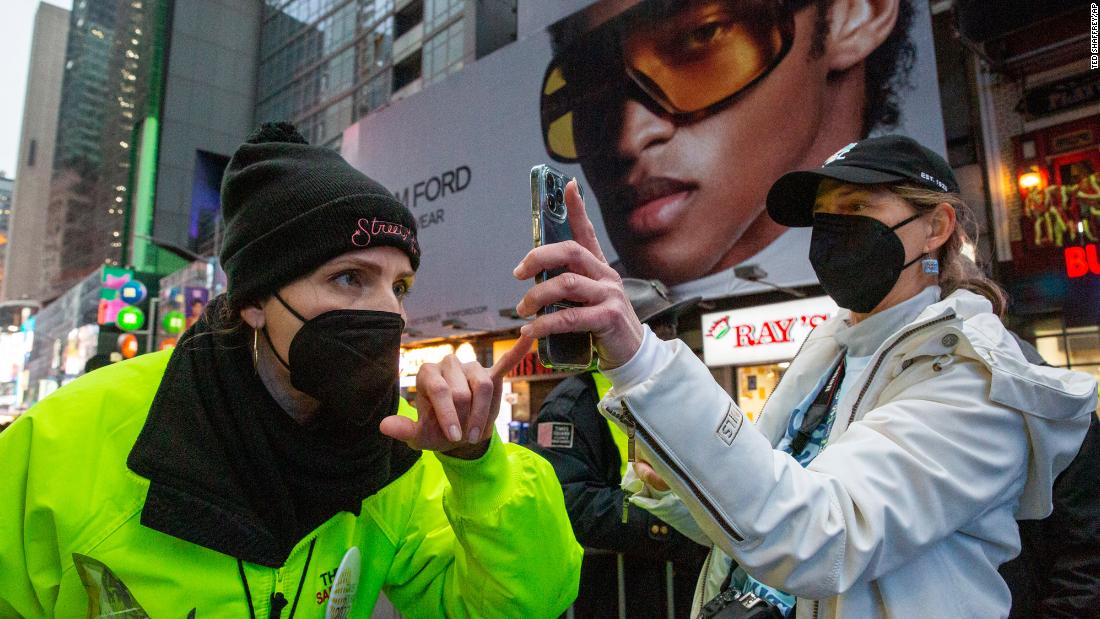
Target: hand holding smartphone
x=550, y=224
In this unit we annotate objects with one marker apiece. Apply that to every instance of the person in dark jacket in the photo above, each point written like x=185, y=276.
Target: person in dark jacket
x=589, y=457
x=1057, y=573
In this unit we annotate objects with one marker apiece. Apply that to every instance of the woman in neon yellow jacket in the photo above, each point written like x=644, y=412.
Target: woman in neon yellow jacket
x=263, y=468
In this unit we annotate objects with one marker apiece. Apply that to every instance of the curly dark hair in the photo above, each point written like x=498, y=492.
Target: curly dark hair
x=887, y=68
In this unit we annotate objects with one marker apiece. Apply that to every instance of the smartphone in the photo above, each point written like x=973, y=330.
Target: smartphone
x=567, y=351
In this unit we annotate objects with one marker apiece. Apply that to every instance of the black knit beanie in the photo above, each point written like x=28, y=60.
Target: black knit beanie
x=289, y=207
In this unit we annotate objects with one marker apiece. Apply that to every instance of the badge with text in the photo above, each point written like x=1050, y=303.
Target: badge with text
x=344, y=586
x=107, y=595
x=556, y=434
x=731, y=425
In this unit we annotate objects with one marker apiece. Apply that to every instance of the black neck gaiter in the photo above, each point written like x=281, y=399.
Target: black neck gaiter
x=230, y=470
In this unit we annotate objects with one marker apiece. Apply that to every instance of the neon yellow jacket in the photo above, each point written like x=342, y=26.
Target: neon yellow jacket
x=485, y=538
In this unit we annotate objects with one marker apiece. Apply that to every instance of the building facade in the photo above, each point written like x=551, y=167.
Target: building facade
x=1037, y=99
x=210, y=49
x=106, y=80
x=324, y=64
x=27, y=229
x=7, y=185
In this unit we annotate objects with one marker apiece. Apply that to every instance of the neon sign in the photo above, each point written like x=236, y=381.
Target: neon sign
x=1080, y=261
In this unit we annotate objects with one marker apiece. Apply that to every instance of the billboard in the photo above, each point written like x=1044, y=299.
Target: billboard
x=676, y=117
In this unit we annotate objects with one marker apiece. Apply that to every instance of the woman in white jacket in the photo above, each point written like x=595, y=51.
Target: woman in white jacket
x=885, y=474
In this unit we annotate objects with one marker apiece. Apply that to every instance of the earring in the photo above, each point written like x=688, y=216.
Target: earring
x=255, y=347
x=930, y=265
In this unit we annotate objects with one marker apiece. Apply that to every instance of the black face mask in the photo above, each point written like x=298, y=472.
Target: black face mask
x=858, y=259
x=349, y=361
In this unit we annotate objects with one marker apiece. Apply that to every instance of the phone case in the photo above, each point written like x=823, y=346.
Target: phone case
x=568, y=351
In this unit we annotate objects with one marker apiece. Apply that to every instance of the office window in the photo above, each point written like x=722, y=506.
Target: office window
x=206, y=202
x=338, y=29
x=443, y=53
x=337, y=74
x=1076, y=348
x=372, y=95
x=376, y=48
x=334, y=119
x=408, y=17
x=437, y=12
x=406, y=72
x=308, y=11
x=371, y=11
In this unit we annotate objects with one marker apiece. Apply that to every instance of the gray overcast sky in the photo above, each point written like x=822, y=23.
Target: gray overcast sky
x=16, y=28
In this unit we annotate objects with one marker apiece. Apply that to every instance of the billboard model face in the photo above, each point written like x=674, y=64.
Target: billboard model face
x=683, y=114
x=678, y=116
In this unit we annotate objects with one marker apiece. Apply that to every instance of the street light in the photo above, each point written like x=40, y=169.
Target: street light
x=175, y=250
x=754, y=273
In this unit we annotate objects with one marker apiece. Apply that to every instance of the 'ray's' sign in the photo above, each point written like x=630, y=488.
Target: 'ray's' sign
x=762, y=334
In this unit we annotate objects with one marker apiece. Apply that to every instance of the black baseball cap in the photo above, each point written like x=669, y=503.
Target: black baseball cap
x=873, y=161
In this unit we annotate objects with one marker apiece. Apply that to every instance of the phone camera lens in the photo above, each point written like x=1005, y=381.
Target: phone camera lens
x=549, y=184
x=559, y=196
x=555, y=207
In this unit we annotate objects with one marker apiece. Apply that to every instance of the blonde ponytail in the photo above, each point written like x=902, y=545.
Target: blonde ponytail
x=957, y=270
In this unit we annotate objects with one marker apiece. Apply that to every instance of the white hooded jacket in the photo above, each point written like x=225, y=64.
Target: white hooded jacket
x=946, y=439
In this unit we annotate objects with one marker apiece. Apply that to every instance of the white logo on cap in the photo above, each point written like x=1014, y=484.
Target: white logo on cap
x=928, y=177
x=839, y=154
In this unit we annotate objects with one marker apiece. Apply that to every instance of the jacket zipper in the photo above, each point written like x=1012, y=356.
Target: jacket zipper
x=278, y=600
x=776, y=388
x=630, y=428
x=627, y=419
x=703, y=585
x=882, y=357
x=863, y=390
x=278, y=603
x=871, y=378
